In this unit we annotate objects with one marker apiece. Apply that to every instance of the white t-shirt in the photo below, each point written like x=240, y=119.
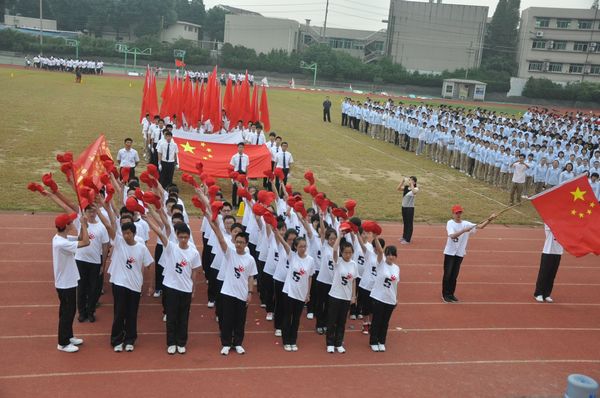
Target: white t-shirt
x=367, y=278
x=551, y=245
x=127, y=158
x=142, y=229
x=239, y=269
x=178, y=264
x=93, y=252
x=458, y=246
x=296, y=283
x=283, y=266
x=272, y=255
x=343, y=278
x=385, y=288
x=127, y=262
x=66, y=274
x=520, y=173
x=326, y=269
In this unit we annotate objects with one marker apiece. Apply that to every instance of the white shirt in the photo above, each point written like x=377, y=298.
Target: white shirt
x=93, y=252
x=385, y=288
x=367, y=278
x=66, y=274
x=235, y=162
x=142, y=229
x=127, y=262
x=296, y=283
x=239, y=268
x=178, y=264
x=458, y=246
x=172, y=149
x=281, y=156
x=520, y=173
x=551, y=245
x=326, y=269
x=344, y=274
x=127, y=158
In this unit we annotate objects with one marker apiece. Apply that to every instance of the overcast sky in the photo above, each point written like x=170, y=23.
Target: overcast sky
x=357, y=14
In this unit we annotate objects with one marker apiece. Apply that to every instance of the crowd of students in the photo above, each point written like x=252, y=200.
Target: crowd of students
x=487, y=145
x=66, y=64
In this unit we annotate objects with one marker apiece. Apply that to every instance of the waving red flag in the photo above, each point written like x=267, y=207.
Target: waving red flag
x=572, y=212
x=145, y=95
x=228, y=97
x=264, y=110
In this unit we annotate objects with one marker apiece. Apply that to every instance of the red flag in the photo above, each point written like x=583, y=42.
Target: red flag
x=264, y=110
x=254, y=106
x=208, y=98
x=145, y=95
x=89, y=164
x=165, y=95
x=244, y=104
x=228, y=98
x=572, y=212
x=215, y=109
x=184, y=105
x=200, y=103
x=175, y=105
x=152, y=105
x=234, y=113
x=216, y=157
x=179, y=63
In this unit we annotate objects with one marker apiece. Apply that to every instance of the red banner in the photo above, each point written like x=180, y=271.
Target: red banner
x=89, y=162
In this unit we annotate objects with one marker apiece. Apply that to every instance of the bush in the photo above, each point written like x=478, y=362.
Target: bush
x=577, y=91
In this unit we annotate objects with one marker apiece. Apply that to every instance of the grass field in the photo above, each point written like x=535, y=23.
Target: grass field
x=46, y=113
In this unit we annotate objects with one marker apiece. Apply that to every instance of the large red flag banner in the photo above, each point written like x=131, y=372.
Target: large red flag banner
x=216, y=157
x=572, y=212
x=89, y=163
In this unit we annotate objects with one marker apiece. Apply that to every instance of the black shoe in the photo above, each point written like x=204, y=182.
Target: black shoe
x=446, y=299
x=82, y=318
x=453, y=298
x=92, y=318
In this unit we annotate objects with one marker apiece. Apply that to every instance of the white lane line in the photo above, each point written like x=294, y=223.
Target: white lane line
x=511, y=362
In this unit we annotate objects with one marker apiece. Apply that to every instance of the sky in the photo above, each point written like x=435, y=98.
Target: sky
x=357, y=14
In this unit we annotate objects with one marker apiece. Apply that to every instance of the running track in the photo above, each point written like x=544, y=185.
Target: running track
x=498, y=342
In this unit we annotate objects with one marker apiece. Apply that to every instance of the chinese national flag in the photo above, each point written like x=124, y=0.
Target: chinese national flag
x=216, y=157
x=88, y=163
x=572, y=212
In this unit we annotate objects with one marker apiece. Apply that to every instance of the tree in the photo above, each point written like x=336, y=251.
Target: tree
x=500, y=46
x=214, y=24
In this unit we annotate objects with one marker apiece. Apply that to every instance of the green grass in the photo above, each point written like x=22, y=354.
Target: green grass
x=46, y=113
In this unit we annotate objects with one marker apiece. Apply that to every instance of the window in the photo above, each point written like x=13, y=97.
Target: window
x=576, y=68
x=449, y=89
x=563, y=23
x=559, y=45
x=535, y=66
x=595, y=47
x=595, y=70
x=585, y=24
x=555, y=67
x=538, y=44
x=580, y=46
x=542, y=22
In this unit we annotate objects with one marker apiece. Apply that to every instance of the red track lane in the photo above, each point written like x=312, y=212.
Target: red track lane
x=497, y=343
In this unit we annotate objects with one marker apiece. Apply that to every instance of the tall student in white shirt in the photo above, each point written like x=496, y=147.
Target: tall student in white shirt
x=325, y=277
x=284, y=161
x=341, y=295
x=279, y=278
x=458, y=231
x=518, y=180
x=240, y=163
x=64, y=246
x=167, y=159
x=551, y=255
x=383, y=295
x=128, y=157
x=236, y=292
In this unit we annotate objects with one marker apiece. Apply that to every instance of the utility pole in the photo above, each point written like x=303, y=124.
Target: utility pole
x=41, y=29
x=325, y=22
x=590, y=43
x=470, y=52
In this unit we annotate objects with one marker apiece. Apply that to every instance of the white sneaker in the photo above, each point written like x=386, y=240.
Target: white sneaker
x=164, y=317
x=360, y=316
x=225, y=350
x=330, y=349
x=157, y=293
x=269, y=316
x=342, y=350
x=67, y=348
x=278, y=332
x=375, y=347
x=287, y=347
x=211, y=304
x=539, y=299
x=240, y=350
x=263, y=306
x=549, y=299
x=310, y=315
x=76, y=341
x=381, y=348
x=181, y=349
x=129, y=347
x=353, y=317
x=171, y=349
x=118, y=348
x=294, y=347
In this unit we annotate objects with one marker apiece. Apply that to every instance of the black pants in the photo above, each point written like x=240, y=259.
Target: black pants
x=548, y=268
x=268, y=291
x=219, y=302
x=235, y=201
x=212, y=284
x=364, y=296
x=344, y=119
x=408, y=215
x=206, y=254
x=154, y=155
x=336, y=321
x=356, y=308
x=451, y=270
x=382, y=313
x=310, y=306
x=326, y=115
x=322, y=304
x=178, y=312
x=234, y=321
x=126, y=304
x=470, y=166
x=291, y=320
x=280, y=189
x=131, y=173
x=280, y=297
x=66, y=314
x=158, y=269
x=87, y=287
x=166, y=174
x=260, y=266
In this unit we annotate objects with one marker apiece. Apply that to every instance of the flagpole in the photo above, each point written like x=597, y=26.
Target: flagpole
x=503, y=211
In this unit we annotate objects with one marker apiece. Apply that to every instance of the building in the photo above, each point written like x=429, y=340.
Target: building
x=463, y=89
x=433, y=37
x=235, y=10
x=181, y=30
x=266, y=34
x=17, y=21
x=560, y=44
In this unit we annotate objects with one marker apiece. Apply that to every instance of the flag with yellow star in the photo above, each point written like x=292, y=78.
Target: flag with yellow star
x=572, y=212
x=216, y=157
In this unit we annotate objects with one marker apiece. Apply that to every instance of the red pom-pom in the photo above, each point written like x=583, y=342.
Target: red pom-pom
x=35, y=187
x=350, y=204
x=200, y=167
x=269, y=174
x=234, y=175
x=340, y=213
x=153, y=171
x=288, y=189
x=110, y=191
x=189, y=179
x=199, y=203
x=67, y=169
x=371, y=226
x=139, y=194
x=209, y=181
x=132, y=204
x=346, y=227
x=270, y=219
x=279, y=173
x=105, y=179
x=310, y=177
x=49, y=182
x=216, y=208
x=125, y=174
x=213, y=190
x=259, y=209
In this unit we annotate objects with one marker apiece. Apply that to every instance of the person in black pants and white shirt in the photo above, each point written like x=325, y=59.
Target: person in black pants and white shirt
x=551, y=255
x=409, y=190
x=456, y=247
x=128, y=157
x=64, y=245
x=240, y=162
x=326, y=110
x=167, y=159
x=284, y=161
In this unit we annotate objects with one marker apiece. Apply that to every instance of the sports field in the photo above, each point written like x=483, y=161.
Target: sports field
x=46, y=113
